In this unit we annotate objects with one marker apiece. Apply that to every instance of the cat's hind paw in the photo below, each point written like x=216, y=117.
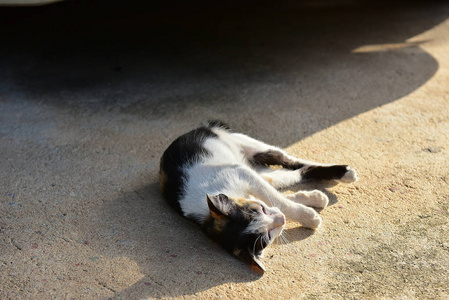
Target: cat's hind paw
x=350, y=176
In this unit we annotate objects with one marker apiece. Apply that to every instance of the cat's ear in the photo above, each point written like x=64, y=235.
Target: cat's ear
x=251, y=259
x=218, y=205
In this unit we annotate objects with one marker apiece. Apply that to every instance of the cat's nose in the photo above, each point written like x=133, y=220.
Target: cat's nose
x=279, y=220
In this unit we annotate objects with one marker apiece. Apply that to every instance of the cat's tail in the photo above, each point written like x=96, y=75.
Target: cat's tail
x=217, y=124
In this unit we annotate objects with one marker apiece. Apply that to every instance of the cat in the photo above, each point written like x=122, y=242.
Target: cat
x=222, y=180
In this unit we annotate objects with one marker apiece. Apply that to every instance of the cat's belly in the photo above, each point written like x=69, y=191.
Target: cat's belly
x=212, y=180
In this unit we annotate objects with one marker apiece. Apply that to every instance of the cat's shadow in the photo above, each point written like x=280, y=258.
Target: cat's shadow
x=173, y=253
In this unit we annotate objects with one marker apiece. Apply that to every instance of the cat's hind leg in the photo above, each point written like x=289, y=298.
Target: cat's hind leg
x=262, y=155
x=280, y=178
x=341, y=173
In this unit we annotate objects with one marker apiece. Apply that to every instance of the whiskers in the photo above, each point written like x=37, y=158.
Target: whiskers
x=255, y=243
x=264, y=240
x=282, y=239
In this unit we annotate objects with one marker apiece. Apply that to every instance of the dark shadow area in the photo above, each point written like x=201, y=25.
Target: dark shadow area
x=252, y=59
x=297, y=234
x=172, y=62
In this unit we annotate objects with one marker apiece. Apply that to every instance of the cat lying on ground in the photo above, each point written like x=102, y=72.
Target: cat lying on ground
x=222, y=180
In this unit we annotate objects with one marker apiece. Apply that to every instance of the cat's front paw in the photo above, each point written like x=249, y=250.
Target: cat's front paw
x=308, y=217
x=350, y=176
x=318, y=199
x=313, y=198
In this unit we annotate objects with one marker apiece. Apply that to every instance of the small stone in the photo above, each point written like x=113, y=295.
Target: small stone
x=393, y=189
x=433, y=149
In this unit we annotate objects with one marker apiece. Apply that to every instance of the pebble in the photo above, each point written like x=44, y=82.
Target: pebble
x=434, y=149
x=393, y=189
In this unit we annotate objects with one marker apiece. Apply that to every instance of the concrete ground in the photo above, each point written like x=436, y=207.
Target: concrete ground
x=91, y=94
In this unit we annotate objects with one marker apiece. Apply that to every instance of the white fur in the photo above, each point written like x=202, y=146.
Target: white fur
x=350, y=176
x=226, y=171
x=313, y=198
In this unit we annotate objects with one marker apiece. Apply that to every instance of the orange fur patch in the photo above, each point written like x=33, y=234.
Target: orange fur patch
x=219, y=224
x=268, y=179
x=242, y=202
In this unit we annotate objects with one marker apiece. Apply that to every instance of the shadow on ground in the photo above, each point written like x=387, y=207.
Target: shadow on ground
x=175, y=66
x=252, y=60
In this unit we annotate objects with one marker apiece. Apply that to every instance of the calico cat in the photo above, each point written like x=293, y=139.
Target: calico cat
x=222, y=180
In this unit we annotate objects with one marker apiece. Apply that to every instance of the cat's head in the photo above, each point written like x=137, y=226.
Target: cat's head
x=244, y=227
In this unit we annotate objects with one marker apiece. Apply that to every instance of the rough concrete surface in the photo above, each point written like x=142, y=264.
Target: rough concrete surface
x=91, y=93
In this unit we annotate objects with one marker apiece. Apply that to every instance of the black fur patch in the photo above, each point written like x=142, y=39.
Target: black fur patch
x=230, y=233
x=274, y=157
x=186, y=149
x=324, y=172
